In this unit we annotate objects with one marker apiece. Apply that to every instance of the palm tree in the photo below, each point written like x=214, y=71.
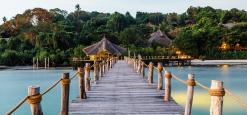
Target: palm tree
x=4, y=19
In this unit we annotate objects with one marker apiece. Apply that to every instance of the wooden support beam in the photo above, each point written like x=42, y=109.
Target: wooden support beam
x=190, y=92
x=216, y=92
x=65, y=86
x=82, y=88
x=34, y=100
x=168, y=77
x=151, y=73
x=87, y=76
x=159, y=76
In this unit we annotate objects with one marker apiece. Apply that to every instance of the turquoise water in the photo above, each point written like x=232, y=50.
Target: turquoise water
x=14, y=83
x=234, y=78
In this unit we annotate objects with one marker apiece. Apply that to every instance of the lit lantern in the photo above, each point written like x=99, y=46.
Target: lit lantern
x=224, y=46
x=178, y=52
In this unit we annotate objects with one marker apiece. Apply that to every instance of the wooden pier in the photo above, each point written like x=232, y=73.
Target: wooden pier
x=124, y=88
x=122, y=91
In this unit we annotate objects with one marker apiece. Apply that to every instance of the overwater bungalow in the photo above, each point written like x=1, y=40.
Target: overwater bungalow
x=103, y=49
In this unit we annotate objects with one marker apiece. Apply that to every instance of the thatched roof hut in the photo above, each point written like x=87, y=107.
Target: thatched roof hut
x=161, y=38
x=104, y=45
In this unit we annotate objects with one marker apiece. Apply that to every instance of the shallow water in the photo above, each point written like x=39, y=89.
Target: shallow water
x=14, y=83
x=234, y=78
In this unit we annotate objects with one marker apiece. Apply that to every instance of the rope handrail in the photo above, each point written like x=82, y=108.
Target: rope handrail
x=202, y=86
x=92, y=66
x=17, y=106
x=51, y=87
x=155, y=68
x=74, y=76
x=227, y=91
x=45, y=92
x=145, y=64
x=180, y=80
x=236, y=98
x=232, y=95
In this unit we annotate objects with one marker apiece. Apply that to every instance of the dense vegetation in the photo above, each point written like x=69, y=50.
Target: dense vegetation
x=61, y=35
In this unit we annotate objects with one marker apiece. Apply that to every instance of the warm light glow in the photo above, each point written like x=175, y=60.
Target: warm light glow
x=178, y=52
x=225, y=46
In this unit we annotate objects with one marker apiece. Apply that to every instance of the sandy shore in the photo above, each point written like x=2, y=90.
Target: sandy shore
x=218, y=62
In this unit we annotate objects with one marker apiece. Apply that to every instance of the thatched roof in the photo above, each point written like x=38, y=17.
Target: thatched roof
x=160, y=38
x=103, y=45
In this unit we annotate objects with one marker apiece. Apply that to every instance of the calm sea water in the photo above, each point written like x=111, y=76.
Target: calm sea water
x=14, y=83
x=234, y=78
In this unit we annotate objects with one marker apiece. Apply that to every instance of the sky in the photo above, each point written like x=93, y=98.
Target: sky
x=10, y=8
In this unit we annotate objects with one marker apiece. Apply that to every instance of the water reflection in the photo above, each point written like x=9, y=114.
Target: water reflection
x=234, y=78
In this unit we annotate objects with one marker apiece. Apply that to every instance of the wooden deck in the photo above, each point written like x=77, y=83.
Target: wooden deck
x=124, y=92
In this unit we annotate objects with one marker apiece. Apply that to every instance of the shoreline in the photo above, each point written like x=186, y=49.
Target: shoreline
x=30, y=68
x=197, y=62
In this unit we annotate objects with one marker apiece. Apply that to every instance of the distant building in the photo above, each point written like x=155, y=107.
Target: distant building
x=160, y=38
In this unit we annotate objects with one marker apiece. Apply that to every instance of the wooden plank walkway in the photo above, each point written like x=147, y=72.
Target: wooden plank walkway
x=124, y=92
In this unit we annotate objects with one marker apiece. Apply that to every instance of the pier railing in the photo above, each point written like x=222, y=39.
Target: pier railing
x=217, y=91
x=34, y=96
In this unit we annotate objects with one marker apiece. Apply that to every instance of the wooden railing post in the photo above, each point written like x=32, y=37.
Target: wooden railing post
x=160, y=77
x=137, y=65
x=168, y=77
x=140, y=66
x=111, y=62
x=34, y=100
x=216, y=92
x=134, y=61
x=87, y=76
x=96, y=71
x=65, y=85
x=108, y=65
x=82, y=88
x=150, y=74
x=142, y=69
x=101, y=69
x=190, y=92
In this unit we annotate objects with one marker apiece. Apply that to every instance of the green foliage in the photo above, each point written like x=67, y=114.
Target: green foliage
x=61, y=35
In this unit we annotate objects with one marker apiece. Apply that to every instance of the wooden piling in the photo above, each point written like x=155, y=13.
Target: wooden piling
x=48, y=62
x=168, y=77
x=45, y=63
x=134, y=64
x=103, y=67
x=216, y=92
x=108, y=65
x=37, y=63
x=150, y=74
x=34, y=100
x=160, y=77
x=65, y=86
x=82, y=88
x=111, y=63
x=87, y=76
x=96, y=71
x=34, y=63
x=190, y=92
x=142, y=69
